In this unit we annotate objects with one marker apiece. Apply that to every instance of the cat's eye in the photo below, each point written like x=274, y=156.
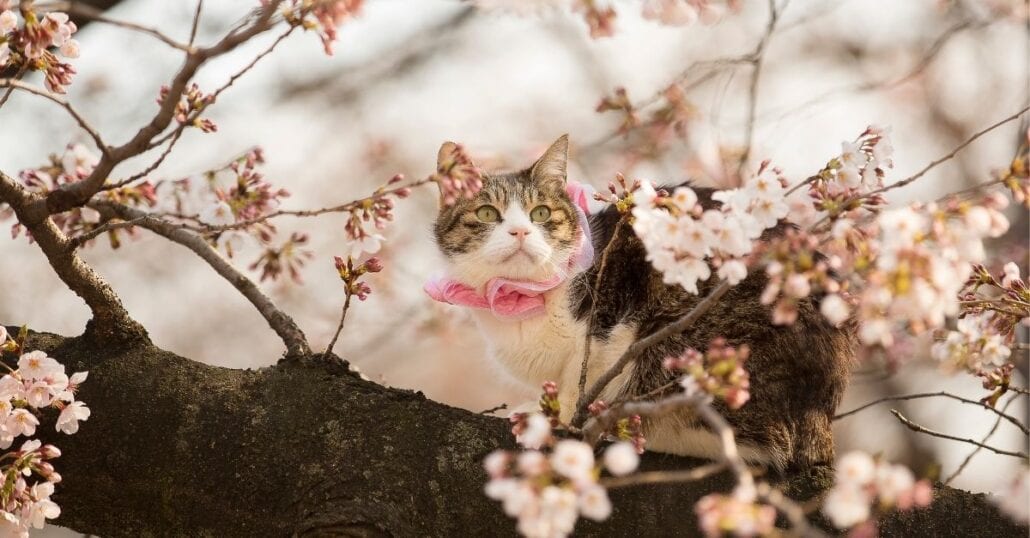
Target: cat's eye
x=540, y=213
x=488, y=213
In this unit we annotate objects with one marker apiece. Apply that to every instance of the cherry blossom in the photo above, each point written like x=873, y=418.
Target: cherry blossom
x=621, y=459
x=68, y=421
x=719, y=371
x=28, y=47
x=738, y=513
x=535, y=433
x=1014, y=500
x=37, y=365
x=8, y=21
x=573, y=459
x=862, y=482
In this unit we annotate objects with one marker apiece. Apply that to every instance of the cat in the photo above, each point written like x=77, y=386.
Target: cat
x=523, y=228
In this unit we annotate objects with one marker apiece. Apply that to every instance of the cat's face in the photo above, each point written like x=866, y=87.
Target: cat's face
x=521, y=225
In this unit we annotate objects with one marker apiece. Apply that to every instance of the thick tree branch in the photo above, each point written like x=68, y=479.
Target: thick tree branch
x=179, y=448
x=110, y=319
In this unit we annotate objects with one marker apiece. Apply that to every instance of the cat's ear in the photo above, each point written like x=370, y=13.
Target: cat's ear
x=444, y=161
x=553, y=165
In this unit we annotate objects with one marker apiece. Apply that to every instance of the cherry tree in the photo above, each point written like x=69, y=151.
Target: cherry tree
x=309, y=446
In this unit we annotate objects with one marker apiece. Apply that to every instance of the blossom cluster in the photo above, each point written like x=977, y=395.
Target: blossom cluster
x=862, y=482
x=794, y=268
x=991, y=309
x=905, y=265
x=629, y=429
x=190, y=105
x=230, y=207
x=973, y=346
x=39, y=382
x=719, y=371
x=249, y=197
x=322, y=16
x=795, y=263
x=375, y=210
x=351, y=273
x=1017, y=179
x=923, y=255
x=669, y=120
x=456, y=174
x=28, y=47
x=738, y=513
x=73, y=165
x=548, y=491
x=682, y=238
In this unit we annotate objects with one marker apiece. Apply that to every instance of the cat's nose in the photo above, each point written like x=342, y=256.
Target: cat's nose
x=520, y=233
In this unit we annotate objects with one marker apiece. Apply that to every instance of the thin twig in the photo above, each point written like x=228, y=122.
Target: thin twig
x=79, y=193
x=153, y=166
x=942, y=393
x=922, y=429
x=17, y=76
x=196, y=22
x=922, y=172
x=924, y=62
x=949, y=156
x=86, y=11
x=794, y=512
x=14, y=84
x=664, y=477
x=594, y=291
x=638, y=347
x=756, y=72
x=79, y=240
x=341, y=208
x=965, y=462
x=339, y=328
x=175, y=133
x=494, y=409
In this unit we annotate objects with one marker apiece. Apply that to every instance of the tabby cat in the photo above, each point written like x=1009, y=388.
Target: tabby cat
x=524, y=229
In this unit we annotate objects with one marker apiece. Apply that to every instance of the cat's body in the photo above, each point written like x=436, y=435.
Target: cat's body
x=798, y=372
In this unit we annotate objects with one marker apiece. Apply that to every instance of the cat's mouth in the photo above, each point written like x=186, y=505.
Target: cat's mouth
x=516, y=254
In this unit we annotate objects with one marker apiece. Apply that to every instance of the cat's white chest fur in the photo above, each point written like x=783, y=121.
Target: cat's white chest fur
x=550, y=347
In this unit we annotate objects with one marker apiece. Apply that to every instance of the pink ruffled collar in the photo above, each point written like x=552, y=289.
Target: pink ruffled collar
x=521, y=299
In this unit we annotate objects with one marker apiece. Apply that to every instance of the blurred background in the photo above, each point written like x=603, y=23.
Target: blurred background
x=505, y=78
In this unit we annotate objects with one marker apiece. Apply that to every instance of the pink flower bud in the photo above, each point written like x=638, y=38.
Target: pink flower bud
x=373, y=264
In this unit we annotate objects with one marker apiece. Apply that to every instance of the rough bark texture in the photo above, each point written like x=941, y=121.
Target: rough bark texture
x=179, y=448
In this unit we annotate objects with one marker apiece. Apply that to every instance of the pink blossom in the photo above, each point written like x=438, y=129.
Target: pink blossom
x=68, y=421
x=621, y=458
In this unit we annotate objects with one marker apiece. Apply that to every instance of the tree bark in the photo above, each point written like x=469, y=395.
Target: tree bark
x=178, y=448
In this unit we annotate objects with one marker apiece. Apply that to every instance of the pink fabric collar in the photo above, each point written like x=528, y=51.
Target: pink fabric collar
x=520, y=299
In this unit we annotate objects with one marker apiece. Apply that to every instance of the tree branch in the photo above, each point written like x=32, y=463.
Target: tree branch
x=176, y=447
x=283, y=325
x=638, y=347
x=969, y=458
x=110, y=319
x=1001, y=414
x=16, y=84
x=922, y=429
x=756, y=73
x=78, y=194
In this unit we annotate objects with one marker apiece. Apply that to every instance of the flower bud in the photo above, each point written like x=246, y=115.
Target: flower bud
x=373, y=264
